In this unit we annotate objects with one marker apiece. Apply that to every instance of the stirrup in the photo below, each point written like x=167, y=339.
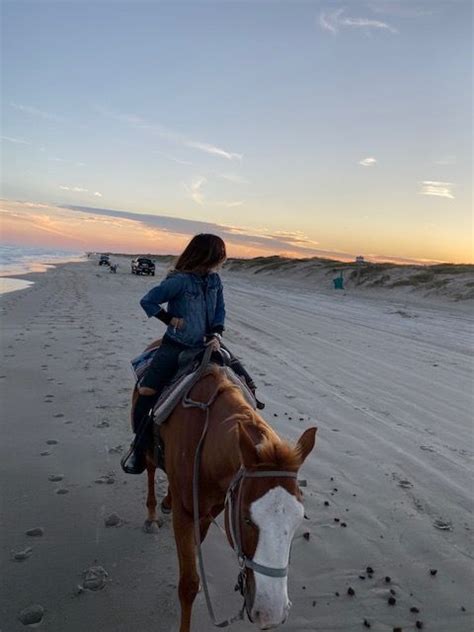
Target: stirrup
x=131, y=465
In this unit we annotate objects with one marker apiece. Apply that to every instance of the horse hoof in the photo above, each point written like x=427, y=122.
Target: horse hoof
x=152, y=526
x=165, y=509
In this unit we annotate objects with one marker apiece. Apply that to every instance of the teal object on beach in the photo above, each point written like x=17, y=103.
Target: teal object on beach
x=338, y=282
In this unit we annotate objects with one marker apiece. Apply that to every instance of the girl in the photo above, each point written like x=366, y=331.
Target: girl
x=195, y=317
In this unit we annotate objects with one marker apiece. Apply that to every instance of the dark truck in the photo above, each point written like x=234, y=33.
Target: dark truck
x=143, y=265
x=104, y=260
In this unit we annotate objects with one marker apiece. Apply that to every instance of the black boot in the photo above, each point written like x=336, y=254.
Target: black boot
x=134, y=462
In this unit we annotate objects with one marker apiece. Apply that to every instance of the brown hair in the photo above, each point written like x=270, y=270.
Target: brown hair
x=204, y=251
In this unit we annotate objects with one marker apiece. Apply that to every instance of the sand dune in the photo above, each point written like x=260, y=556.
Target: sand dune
x=386, y=374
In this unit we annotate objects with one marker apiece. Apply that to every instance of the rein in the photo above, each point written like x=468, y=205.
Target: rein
x=242, y=474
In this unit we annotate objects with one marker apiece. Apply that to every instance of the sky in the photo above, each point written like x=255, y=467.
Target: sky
x=314, y=128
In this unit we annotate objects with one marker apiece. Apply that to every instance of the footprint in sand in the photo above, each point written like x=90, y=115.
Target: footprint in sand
x=58, y=415
x=405, y=484
x=46, y=453
x=443, y=525
x=52, y=442
x=31, y=615
x=55, y=478
x=21, y=556
x=61, y=491
x=35, y=532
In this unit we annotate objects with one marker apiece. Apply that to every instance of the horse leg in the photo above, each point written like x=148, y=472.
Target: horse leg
x=188, y=576
x=152, y=523
x=166, y=503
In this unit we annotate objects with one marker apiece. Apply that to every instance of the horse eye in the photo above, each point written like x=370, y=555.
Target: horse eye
x=248, y=521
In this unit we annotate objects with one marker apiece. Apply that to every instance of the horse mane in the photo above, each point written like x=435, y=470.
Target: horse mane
x=273, y=451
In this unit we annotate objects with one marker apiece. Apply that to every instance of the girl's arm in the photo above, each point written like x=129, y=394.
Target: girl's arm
x=167, y=290
x=217, y=326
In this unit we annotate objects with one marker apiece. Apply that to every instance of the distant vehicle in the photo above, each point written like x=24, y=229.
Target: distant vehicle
x=104, y=260
x=143, y=265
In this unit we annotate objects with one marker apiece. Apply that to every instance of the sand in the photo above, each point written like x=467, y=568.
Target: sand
x=388, y=381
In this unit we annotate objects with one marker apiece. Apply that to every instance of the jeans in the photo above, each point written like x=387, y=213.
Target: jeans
x=163, y=366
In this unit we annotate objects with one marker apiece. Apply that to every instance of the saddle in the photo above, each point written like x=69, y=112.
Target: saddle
x=183, y=381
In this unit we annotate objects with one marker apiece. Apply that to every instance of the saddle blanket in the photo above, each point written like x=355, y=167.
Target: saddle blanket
x=174, y=393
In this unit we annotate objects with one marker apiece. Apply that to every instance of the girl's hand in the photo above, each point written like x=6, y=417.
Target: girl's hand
x=177, y=323
x=214, y=343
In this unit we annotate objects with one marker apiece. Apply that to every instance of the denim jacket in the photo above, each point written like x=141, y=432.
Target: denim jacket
x=199, y=300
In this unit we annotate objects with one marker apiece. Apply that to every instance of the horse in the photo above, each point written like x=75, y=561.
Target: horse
x=246, y=469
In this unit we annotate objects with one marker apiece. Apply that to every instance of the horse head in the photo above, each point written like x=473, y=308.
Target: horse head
x=263, y=510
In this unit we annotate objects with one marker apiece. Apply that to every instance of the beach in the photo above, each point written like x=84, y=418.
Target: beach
x=386, y=377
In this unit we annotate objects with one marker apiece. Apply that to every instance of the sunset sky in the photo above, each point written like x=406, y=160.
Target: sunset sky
x=297, y=128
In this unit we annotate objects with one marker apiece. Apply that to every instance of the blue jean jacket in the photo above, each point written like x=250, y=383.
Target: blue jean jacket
x=199, y=300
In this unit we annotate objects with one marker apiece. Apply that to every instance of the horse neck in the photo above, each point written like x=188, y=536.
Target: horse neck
x=229, y=411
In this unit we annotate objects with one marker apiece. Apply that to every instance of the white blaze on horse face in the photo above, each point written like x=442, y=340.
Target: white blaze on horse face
x=277, y=514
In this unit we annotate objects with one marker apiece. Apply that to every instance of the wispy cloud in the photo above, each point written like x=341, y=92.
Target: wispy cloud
x=63, y=187
x=212, y=149
x=194, y=190
x=29, y=109
x=169, y=134
x=235, y=178
x=336, y=20
x=17, y=141
x=446, y=160
x=439, y=189
x=368, y=162
x=233, y=204
x=77, y=189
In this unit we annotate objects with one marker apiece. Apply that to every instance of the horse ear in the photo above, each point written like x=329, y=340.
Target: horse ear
x=306, y=443
x=248, y=451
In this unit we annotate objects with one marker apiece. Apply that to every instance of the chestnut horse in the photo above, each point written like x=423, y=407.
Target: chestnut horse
x=241, y=452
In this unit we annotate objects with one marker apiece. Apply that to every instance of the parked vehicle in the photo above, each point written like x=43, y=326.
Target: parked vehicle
x=143, y=265
x=104, y=260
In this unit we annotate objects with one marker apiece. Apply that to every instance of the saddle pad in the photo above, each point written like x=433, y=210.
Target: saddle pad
x=141, y=363
x=174, y=394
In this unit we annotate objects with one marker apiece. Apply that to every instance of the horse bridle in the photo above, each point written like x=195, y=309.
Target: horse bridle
x=232, y=505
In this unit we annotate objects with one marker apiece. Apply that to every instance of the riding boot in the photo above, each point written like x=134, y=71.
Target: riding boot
x=134, y=462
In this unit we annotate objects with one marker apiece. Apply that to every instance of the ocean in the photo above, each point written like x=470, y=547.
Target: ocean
x=19, y=260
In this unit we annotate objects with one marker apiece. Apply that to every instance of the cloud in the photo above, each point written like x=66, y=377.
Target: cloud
x=212, y=149
x=233, y=204
x=18, y=141
x=296, y=243
x=73, y=189
x=368, y=162
x=337, y=20
x=446, y=160
x=29, y=109
x=194, y=190
x=438, y=189
x=169, y=134
x=233, y=177
x=98, y=194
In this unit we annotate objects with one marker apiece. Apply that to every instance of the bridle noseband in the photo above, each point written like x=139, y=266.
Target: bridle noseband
x=233, y=507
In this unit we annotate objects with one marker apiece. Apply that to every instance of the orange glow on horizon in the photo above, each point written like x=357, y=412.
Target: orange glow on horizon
x=48, y=226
